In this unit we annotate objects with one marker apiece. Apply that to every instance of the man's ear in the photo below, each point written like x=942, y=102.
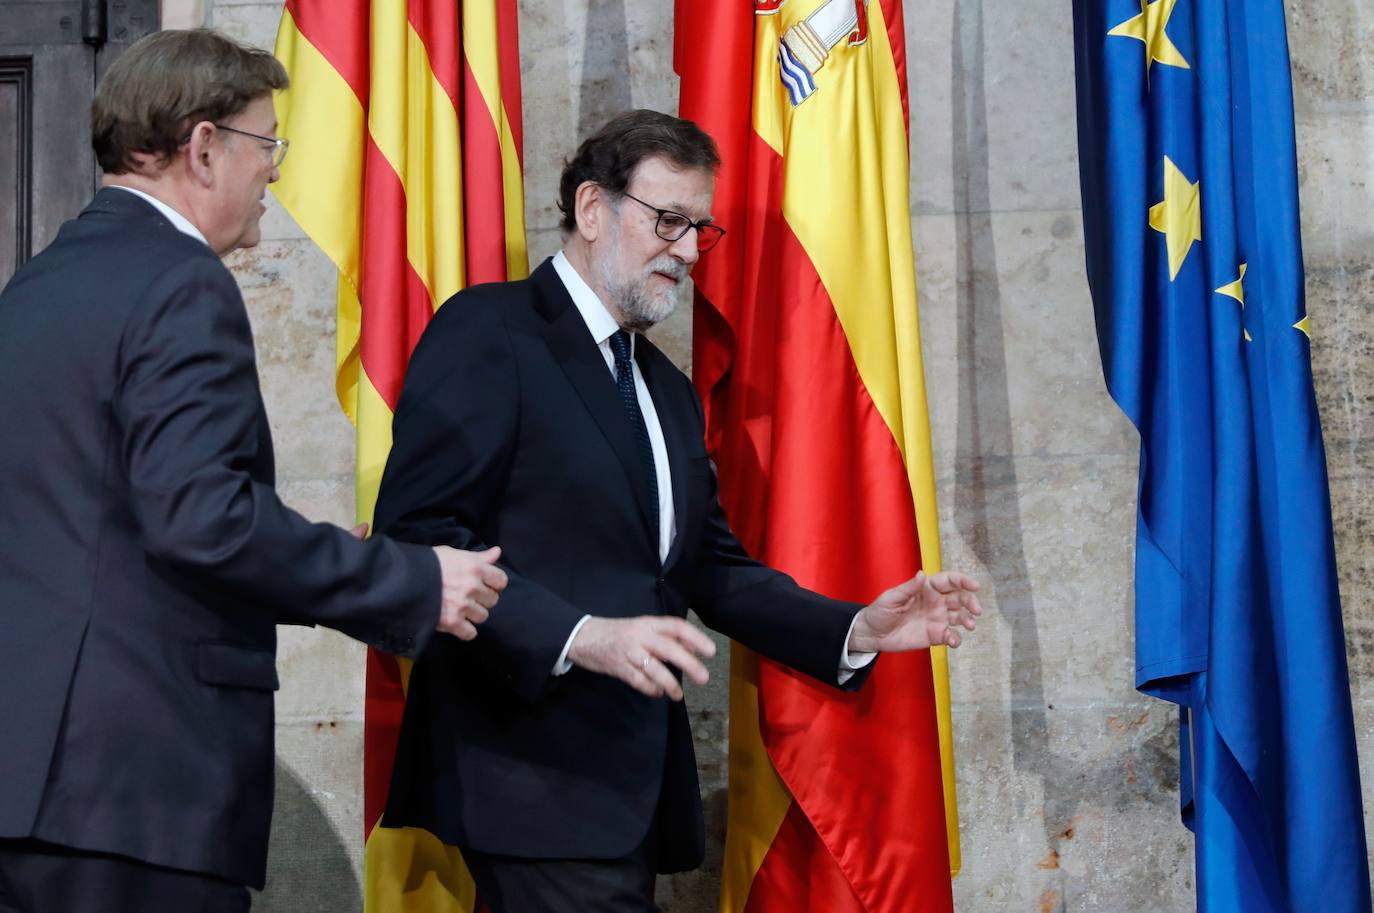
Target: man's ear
x=202, y=153
x=587, y=210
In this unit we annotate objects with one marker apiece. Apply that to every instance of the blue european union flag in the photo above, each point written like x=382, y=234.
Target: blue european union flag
x=1190, y=205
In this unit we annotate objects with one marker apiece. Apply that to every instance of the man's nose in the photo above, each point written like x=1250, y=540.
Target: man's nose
x=685, y=248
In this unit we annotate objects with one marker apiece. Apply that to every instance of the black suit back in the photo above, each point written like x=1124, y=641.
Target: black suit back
x=145, y=559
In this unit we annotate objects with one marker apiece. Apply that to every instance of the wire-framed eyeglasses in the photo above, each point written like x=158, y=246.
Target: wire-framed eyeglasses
x=673, y=225
x=279, y=145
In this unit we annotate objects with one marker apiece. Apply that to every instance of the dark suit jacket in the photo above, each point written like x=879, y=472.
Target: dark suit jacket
x=145, y=558
x=510, y=431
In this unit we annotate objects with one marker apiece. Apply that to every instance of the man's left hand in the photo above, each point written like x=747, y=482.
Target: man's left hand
x=922, y=612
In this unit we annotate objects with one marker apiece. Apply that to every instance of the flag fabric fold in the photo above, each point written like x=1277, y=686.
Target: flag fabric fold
x=806, y=352
x=1189, y=177
x=405, y=168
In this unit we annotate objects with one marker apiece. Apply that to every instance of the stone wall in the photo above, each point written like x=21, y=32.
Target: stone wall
x=1068, y=781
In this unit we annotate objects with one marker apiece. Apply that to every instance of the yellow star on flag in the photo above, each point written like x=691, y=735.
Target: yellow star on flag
x=1178, y=215
x=1236, y=290
x=1304, y=326
x=1149, y=28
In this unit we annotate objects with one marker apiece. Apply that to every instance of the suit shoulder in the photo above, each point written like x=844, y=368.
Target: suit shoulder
x=490, y=304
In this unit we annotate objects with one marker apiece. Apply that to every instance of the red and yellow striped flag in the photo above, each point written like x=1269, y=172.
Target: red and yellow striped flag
x=405, y=167
x=807, y=354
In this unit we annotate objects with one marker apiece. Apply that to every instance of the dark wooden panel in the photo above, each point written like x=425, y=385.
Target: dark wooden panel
x=24, y=23
x=128, y=21
x=16, y=129
x=63, y=163
x=50, y=53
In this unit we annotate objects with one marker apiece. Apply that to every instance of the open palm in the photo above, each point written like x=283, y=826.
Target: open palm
x=920, y=613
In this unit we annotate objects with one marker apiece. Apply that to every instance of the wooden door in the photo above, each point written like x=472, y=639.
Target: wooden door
x=51, y=54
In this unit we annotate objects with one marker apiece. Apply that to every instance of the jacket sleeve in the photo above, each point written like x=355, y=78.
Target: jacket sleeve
x=454, y=437
x=190, y=412
x=766, y=610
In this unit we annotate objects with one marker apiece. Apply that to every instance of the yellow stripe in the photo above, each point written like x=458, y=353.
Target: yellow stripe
x=480, y=49
x=326, y=129
x=348, y=315
x=408, y=869
x=415, y=126
x=758, y=799
x=513, y=188
x=846, y=197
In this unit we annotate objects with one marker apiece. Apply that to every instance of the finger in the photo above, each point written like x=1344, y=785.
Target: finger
x=359, y=531
x=493, y=576
x=464, y=630
x=485, y=597
x=670, y=651
x=663, y=677
x=950, y=581
x=908, y=590
x=952, y=638
x=687, y=634
x=639, y=680
x=491, y=555
x=475, y=612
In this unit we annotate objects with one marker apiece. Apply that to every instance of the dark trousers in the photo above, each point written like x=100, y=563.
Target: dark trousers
x=510, y=884
x=38, y=877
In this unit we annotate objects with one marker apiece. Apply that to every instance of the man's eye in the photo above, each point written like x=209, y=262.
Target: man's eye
x=671, y=221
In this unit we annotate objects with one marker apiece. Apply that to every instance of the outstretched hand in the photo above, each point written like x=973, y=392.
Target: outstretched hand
x=923, y=612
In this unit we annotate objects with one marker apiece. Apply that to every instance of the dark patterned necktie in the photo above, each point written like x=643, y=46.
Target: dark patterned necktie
x=625, y=380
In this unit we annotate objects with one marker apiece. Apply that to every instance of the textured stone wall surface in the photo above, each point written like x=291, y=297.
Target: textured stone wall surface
x=1067, y=776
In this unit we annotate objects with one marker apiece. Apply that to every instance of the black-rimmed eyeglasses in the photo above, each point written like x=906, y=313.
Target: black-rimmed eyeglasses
x=279, y=145
x=671, y=226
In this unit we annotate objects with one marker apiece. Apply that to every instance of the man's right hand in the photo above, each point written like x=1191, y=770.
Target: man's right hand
x=472, y=584
x=639, y=650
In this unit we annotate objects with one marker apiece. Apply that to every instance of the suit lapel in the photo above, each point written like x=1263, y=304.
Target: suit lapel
x=654, y=365
x=580, y=359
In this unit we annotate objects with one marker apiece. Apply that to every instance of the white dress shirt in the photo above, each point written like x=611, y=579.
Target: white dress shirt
x=179, y=222
x=602, y=325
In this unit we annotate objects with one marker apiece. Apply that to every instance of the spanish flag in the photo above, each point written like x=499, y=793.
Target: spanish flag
x=807, y=354
x=404, y=121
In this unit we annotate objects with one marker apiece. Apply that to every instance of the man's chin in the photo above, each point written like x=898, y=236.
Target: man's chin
x=650, y=317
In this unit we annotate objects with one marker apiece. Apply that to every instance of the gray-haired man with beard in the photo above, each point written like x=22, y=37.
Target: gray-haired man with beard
x=555, y=748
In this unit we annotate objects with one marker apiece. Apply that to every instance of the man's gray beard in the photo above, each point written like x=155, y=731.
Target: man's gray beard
x=639, y=309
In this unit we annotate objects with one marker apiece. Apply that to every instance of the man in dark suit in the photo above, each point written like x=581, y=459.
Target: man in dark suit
x=554, y=749
x=144, y=556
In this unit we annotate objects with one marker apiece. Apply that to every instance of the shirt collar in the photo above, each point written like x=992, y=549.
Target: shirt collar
x=179, y=222
x=594, y=314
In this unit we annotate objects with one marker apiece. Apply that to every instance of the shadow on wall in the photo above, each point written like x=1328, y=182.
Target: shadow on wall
x=605, y=90
x=987, y=511
x=309, y=867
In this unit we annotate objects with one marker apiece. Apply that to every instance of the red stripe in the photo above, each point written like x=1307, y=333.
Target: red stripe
x=799, y=874
x=383, y=707
x=440, y=28
x=396, y=305
x=484, y=206
x=339, y=31
x=508, y=50
x=896, y=36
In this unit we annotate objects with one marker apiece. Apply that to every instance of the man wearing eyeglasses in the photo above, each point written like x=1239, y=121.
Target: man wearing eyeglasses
x=555, y=749
x=145, y=558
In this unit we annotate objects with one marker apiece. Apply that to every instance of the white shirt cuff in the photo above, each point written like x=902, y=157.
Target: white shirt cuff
x=850, y=662
x=564, y=664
